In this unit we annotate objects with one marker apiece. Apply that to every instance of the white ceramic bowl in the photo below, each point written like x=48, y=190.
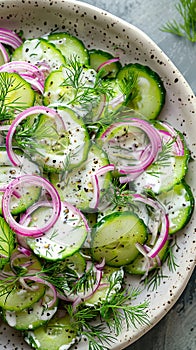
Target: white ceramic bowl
x=99, y=29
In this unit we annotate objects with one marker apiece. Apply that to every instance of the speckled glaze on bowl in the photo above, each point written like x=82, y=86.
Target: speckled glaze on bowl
x=99, y=29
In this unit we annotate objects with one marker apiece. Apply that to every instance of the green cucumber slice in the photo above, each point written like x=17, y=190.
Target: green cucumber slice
x=39, y=50
x=13, y=296
x=72, y=85
x=71, y=47
x=148, y=94
x=160, y=176
x=98, y=57
x=33, y=317
x=114, y=238
x=179, y=204
x=76, y=187
x=78, y=137
x=51, y=147
x=57, y=334
x=16, y=94
x=65, y=237
x=122, y=142
x=28, y=194
x=55, y=91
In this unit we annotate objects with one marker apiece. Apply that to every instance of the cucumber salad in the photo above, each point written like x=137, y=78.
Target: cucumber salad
x=92, y=189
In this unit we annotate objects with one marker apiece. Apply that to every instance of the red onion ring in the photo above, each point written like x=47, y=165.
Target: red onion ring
x=31, y=73
x=23, y=115
x=43, y=281
x=34, y=180
x=10, y=38
x=106, y=63
x=147, y=157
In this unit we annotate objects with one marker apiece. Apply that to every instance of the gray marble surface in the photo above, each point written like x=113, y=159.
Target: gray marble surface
x=177, y=330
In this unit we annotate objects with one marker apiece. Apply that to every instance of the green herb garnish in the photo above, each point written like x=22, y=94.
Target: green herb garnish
x=187, y=29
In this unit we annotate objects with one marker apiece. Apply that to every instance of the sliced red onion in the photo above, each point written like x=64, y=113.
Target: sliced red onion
x=27, y=252
x=105, y=169
x=36, y=181
x=43, y=281
x=34, y=82
x=95, y=182
x=27, y=71
x=163, y=235
x=108, y=62
x=151, y=152
x=23, y=115
x=15, y=192
x=10, y=38
x=81, y=297
x=4, y=53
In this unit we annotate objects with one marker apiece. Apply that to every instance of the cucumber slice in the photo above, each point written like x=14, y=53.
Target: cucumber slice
x=64, y=238
x=161, y=176
x=179, y=204
x=75, y=262
x=71, y=47
x=13, y=296
x=139, y=265
x=78, y=137
x=33, y=317
x=39, y=50
x=98, y=57
x=58, y=334
x=7, y=240
x=123, y=143
x=114, y=238
x=55, y=91
x=76, y=187
x=16, y=94
x=148, y=94
x=28, y=194
x=53, y=148
x=72, y=85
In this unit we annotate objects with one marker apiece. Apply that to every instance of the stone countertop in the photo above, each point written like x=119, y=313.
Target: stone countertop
x=177, y=330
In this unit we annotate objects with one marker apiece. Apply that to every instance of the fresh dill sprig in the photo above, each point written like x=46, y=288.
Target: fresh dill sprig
x=163, y=159
x=170, y=257
x=128, y=86
x=98, y=336
x=154, y=279
x=8, y=284
x=117, y=308
x=8, y=104
x=116, y=311
x=86, y=90
x=187, y=29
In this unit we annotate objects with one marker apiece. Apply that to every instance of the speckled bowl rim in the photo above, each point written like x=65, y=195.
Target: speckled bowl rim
x=91, y=22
